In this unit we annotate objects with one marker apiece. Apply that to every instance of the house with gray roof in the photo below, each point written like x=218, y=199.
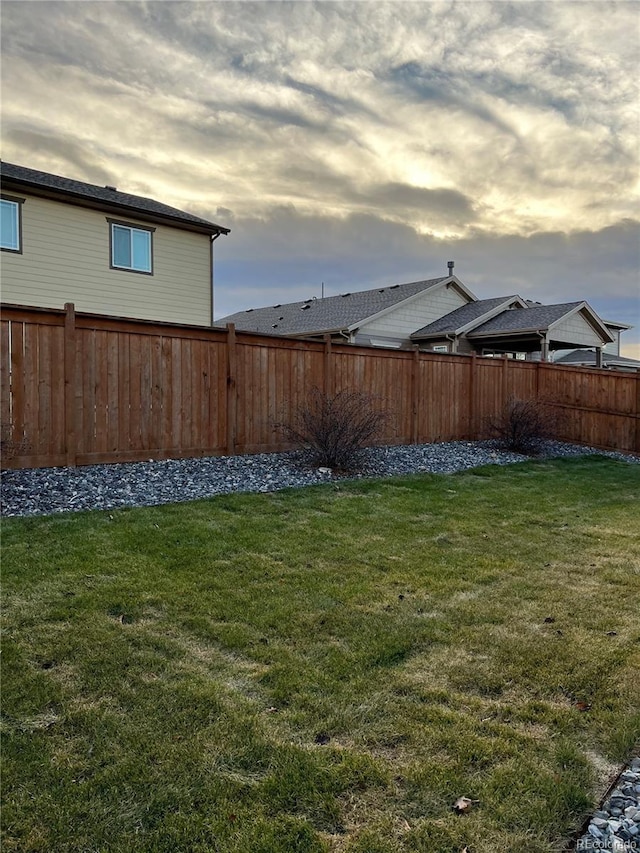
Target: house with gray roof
x=107, y=251
x=456, y=321
x=611, y=357
x=449, y=333
x=588, y=358
x=384, y=316
x=542, y=328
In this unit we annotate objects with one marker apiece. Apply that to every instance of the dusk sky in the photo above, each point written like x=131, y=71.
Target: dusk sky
x=358, y=144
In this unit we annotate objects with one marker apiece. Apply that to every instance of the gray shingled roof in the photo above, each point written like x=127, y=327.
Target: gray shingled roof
x=334, y=313
x=537, y=318
x=30, y=178
x=588, y=356
x=451, y=323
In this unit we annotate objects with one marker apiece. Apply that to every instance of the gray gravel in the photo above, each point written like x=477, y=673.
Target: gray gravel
x=616, y=824
x=43, y=491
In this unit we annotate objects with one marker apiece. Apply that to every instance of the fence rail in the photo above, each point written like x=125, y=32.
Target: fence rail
x=80, y=389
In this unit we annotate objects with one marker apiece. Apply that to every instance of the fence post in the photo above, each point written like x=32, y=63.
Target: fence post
x=474, y=427
x=505, y=379
x=415, y=368
x=71, y=380
x=232, y=393
x=328, y=366
x=638, y=413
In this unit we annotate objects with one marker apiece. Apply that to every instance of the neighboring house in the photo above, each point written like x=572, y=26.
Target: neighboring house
x=106, y=251
x=611, y=357
x=385, y=316
x=439, y=314
x=587, y=358
x=527, y=328
x=450, y=332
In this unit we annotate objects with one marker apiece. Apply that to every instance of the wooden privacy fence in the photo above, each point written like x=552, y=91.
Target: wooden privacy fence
x=79, y=389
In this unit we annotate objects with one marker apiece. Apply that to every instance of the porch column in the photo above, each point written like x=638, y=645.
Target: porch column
x=544, y=356
x=598, y=356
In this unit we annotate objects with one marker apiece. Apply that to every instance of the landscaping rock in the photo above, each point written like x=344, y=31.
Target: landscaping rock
x=614, y=826
x=43, y=491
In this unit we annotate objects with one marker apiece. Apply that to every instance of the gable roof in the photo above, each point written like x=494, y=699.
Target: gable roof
x=455, y=322
x=538, y=318
x=104, y=198
x=332, y=314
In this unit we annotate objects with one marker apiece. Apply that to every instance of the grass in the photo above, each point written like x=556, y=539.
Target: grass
x=326, y=669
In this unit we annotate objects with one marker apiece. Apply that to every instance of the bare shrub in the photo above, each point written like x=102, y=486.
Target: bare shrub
x=523, y=425
x=335, y=429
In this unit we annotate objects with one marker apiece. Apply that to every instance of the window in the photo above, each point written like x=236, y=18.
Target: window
x=440, y=348
x=131, y=247
x=11, y=224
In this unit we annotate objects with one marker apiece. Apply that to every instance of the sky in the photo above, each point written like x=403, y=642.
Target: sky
x=352, y=145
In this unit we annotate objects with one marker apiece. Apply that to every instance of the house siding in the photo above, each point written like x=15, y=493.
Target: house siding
x=613, y=348
x=576, y=330
x=65, y=258
x=400, y=323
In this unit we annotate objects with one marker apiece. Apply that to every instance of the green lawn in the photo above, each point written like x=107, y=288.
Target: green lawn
x=325, y=669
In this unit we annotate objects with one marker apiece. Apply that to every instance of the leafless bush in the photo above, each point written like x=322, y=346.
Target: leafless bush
x=334, y=430
x=523, y=425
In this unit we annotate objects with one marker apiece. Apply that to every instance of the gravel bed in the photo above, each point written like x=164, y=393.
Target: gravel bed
x=615, y=825
x=43, y=491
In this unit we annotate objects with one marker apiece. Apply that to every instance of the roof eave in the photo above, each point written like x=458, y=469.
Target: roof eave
x=71, y=197
x=510, y=333
x=339, y=330
x=431, y=336
x=616, y=325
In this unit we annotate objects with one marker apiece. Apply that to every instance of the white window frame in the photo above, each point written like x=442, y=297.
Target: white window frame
x=132, y=229
x=16, y=205
x=440, y=348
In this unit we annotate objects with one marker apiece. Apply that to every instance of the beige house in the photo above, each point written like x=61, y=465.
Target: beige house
x=106, y=251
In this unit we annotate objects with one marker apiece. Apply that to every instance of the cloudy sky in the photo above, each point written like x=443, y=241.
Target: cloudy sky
x=354, y=144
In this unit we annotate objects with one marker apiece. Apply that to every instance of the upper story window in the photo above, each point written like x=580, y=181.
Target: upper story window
x=11, y=221
x=131, y=247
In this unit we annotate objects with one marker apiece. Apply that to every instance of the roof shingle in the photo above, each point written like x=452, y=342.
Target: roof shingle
x=525, y=319
x=334, y=313
x=451, y=323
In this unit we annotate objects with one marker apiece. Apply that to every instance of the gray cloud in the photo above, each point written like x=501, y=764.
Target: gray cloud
x=289, y=256
x=355, y=142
